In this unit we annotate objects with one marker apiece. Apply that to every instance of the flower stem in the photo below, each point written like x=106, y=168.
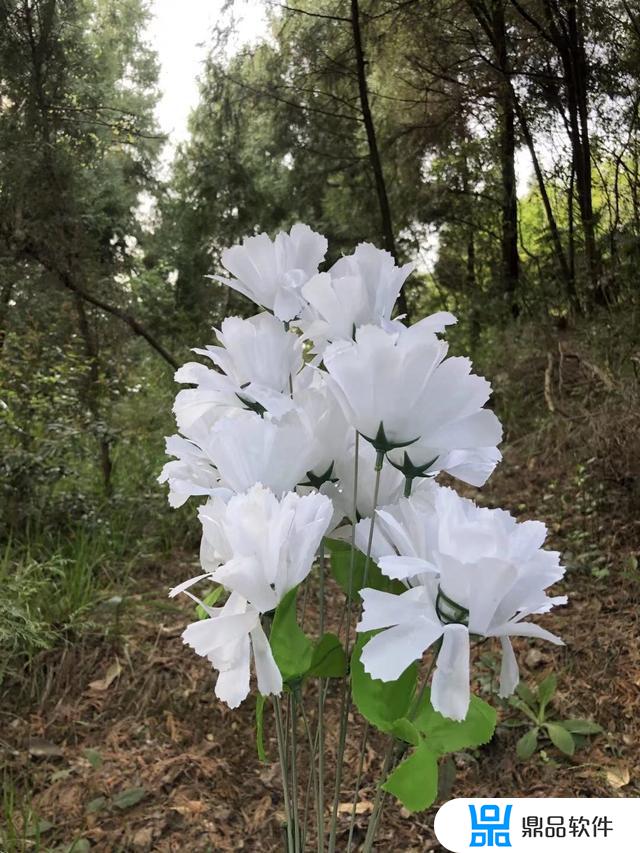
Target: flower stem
x=294, y=772
x=283, y=769
x=363, y=745
x=320, y=732
x=344, y=704
x=393, y=754
x=363, y=749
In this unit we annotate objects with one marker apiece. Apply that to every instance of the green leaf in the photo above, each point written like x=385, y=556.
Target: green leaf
x=341, y=568
x=546, y=690
x=292, y=649
x=415, y=781
x=128, y=798
x=38, y=828
x=561, y=738
x=260, y=700
x=209, y=599
x=515, y=702
x=526, y=694
x=329, y=659
x=581, y=727
x=81, y=845
x=380, y=702
x=445, y=735
x=527, y=744
x=96, y=805
x=94, y=758
x=404, y=730
x=446, y=778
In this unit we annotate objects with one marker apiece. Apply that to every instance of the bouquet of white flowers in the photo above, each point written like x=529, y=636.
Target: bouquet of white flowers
x=321, y=428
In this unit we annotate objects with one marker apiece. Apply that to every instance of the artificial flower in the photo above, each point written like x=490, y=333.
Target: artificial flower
x=229, y=638
x=358, y=290
x=399, y=392
x=256, y=365
x=247, y=448
x=470, y=571
x=191, y=473
x=272, y=272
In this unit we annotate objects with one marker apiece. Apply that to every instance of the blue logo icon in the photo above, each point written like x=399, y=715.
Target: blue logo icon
x=490, y=830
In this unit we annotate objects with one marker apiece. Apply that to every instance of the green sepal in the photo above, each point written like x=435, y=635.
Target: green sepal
x=329, y=659
x=292, y=649
x=415, y=781
x=341, y=567
x=382, y=444
x=382, y=703
x=445, y=735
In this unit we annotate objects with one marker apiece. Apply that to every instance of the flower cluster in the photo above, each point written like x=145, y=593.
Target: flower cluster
x=324, y=413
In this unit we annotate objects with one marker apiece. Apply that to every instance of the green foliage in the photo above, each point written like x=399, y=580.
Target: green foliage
x=210, y=599
x=292, y=649
x=415, y=780
x=382, y=703
x=295, y=654
x=348, y=569
x=328, y=659
x=447, y=735
x=565, y=735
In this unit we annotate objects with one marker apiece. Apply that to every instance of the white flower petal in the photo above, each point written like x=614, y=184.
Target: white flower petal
x=450, y=691
x=389, y=653
x=383, y=609
x=509, y=671
x=232, y=685
x=267, y=672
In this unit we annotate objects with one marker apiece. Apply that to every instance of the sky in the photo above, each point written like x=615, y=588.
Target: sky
x=179, y=32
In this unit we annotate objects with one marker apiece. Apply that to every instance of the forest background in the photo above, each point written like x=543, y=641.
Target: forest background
x=400, y=123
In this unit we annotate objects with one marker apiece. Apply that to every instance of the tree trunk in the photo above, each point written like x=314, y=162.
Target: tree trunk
x=506, y=129
x=92, y=392
x=372, y=142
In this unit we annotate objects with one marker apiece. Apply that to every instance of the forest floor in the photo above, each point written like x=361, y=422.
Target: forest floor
x=127, y=748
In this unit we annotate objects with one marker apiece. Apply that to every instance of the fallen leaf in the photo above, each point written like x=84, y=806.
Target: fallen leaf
x=618, y=777
x=362, y=807
x=112, y=673
x=40, y=748
x=129, y=797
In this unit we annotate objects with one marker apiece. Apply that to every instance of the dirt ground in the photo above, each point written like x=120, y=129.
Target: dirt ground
x=125, y=748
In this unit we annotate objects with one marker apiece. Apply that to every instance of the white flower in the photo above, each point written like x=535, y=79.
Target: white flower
x=258, y=359
x=470, y=571
x=228, y=639
x=457, y=434
x=192, y=473
x=379, y=379
x=391, y=481
x=259, y=548
x=403, y=525
x=328, y=430
x=359, y=290
x=248, y=449
x=271, y=273
x=266, y=545
x=397, y=390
